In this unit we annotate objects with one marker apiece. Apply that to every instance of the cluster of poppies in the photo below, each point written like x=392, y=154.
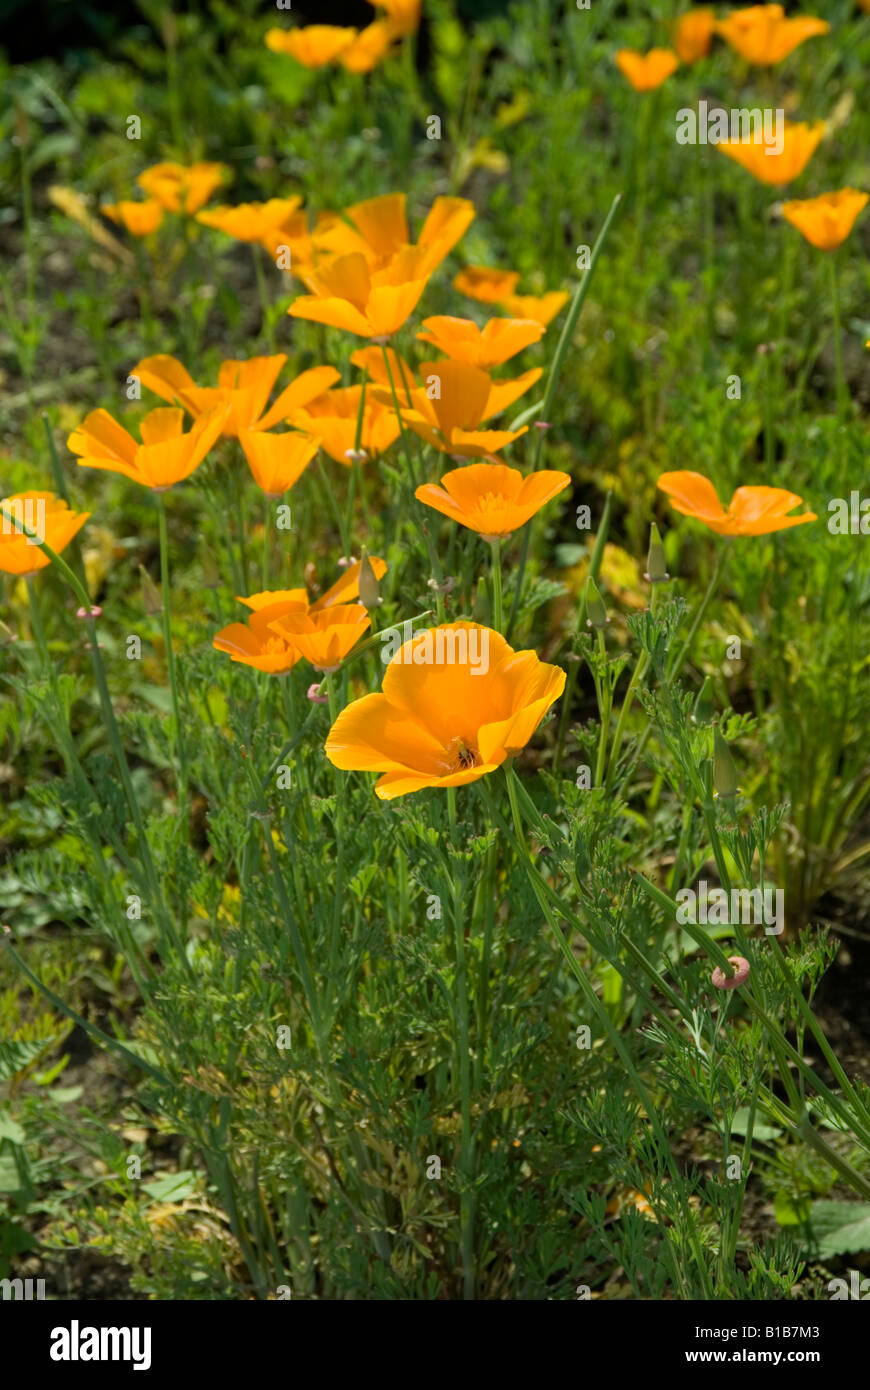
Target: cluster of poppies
x=355, y=50
x=763, y=37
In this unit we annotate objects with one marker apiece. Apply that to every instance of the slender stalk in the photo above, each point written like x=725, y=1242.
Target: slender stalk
x=842, y=393
x=180, y=751
x=463, y=1056
x=495, y=573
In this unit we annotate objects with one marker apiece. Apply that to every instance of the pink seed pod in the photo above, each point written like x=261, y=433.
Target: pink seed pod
x=93, y=612
x=543, y=425
x=740, y=976
x=315, y=696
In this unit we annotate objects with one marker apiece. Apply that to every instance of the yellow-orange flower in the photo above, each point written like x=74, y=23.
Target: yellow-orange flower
x=260, y=222
x=166, y=455
x=455, y=400
x=693, y=34
x=276, y=461
x=487, y=286
x=243, y=386
x=762, y=35
x=456, y=702
x=826, y=221
x=257, y=644
x=541, y=308
x=254, y=643
x=314, y=46
x=346, y=293
x=43, y=514
x=182, y=188
x=332, y=420
x=369, y=48
x=139, y=219
x=402, y=15
x=752, y=511
x=378, y=229
x=491, y=498
x=496, y=342
x=798, y=144
x=324, y=636
x=646, y=71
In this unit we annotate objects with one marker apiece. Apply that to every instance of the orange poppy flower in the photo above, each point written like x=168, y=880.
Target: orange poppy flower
x=646, y=71
x=346, y=293
x=403, y=15
x=826, y=221
x=454, y=401
x=753, y=511
x=254, y=643
x=798, y=145
x=166, y=455
x=541, y=308
x=378, y=229
x=324, y=636
x=259, y=222
x=487, y=286
x=496, y=342
x=314, y=46
x=491, y=498
x=332, y=420
x=139, y=219
x=456, y=702
x=762, y=35
x=48, y=517
x=181, y=188
x=276, y=461
x=693, y=35
x=243, y=386
x=369, y=48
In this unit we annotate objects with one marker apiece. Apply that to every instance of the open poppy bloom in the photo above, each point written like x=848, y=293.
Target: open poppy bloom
x=373, y=304
x=253, y=222
x=378, y=229
x=403, y=15
x=455, y=400
x=762, y=35
x=139, y=219
x=181, y=188
x=332, y=420
x=646, y=71
x=276, y=461
x=753, y=511
x=456, y=702
x=315, y=46
x=166, y=455
x=46, y=517
x=496, y=342
x=369, y=48
x=693, y=35
x=324, y=636
x=798, y=144
x=255, y=643
x=243, y=386
x=826, y=221
x=491, y=498
x=487, y=286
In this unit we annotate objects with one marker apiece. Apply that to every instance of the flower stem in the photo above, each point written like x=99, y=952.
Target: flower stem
x=170, y=654
x=495, y=571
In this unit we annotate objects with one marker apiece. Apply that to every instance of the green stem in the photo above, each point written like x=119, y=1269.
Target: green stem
x=170, y=654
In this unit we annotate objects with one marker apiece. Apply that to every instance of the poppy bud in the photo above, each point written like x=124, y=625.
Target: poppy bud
x=724, y=767
x=703, y=711
x=656, y=572
x=369, y=594
x=596, y=613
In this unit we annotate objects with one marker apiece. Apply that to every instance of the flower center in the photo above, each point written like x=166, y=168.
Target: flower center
x=462, y=755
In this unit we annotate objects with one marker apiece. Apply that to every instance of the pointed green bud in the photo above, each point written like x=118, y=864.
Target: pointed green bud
x=656, y=573
x=369, y=593
x=704, y=705
x=724, y=767
x=596, y=613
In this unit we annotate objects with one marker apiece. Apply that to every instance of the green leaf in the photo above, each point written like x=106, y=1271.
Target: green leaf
x=174, y=1187
x=789, y=1210
x=760, y=1129
x=840, y=1228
